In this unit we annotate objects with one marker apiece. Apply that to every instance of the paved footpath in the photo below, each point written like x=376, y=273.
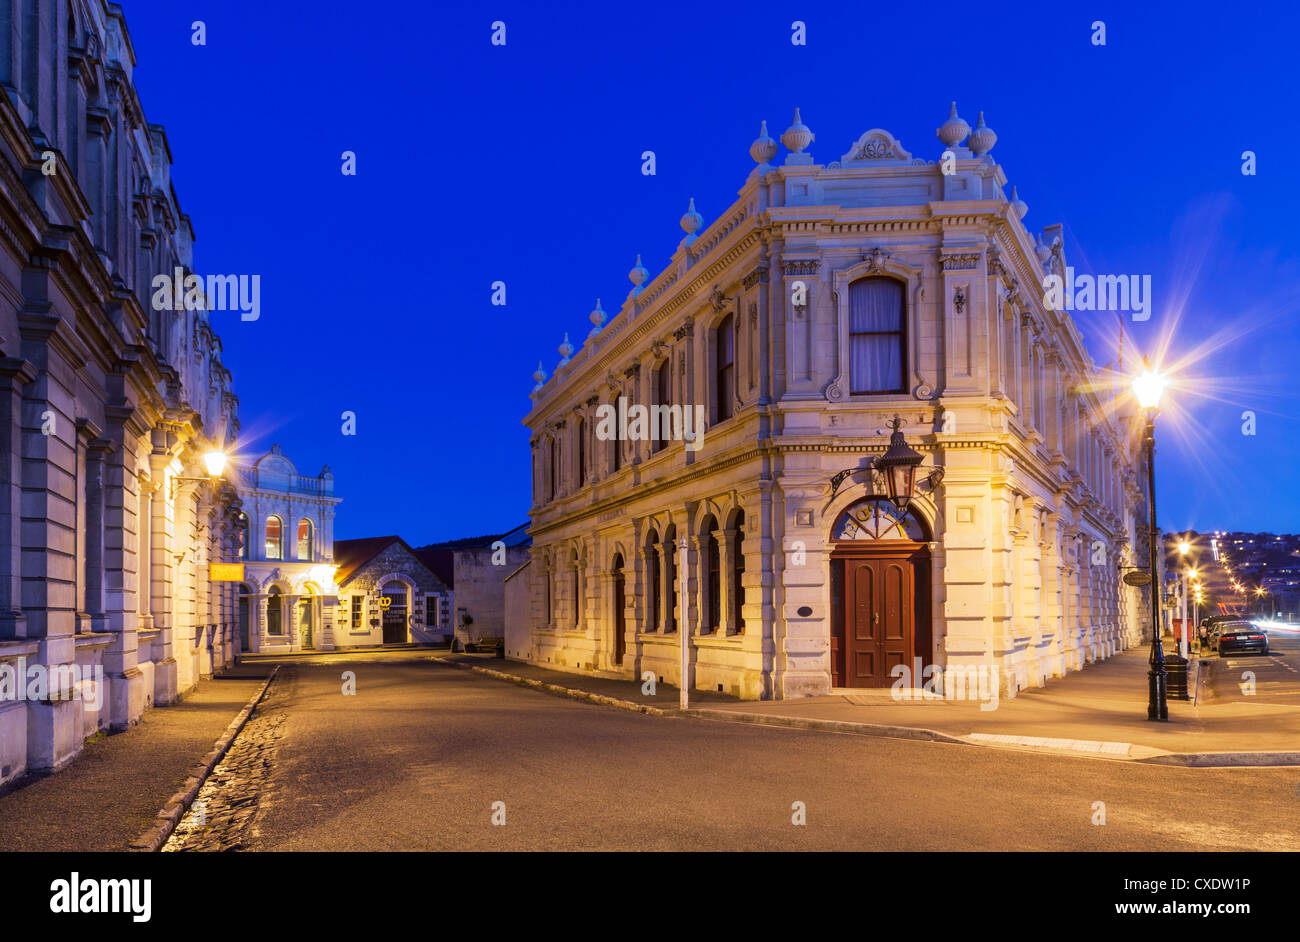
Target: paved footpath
x=110, y=794
x=1100, y=710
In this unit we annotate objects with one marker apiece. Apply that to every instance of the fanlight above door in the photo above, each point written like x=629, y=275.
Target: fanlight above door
x=878, y=519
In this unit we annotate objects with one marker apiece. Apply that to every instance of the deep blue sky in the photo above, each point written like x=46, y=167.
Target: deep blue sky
x=522, y=163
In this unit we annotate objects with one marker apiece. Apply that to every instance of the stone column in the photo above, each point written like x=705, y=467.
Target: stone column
x=162, y=529
x=124, y=547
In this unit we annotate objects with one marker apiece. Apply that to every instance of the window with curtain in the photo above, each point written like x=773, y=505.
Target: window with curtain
x=725, y=369
x=581, y=431
x=304, y=539
x=274, y=538
x=876, y=336
x=663, y=397
x=616, y=443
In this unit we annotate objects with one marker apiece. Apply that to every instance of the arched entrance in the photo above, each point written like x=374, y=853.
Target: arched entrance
x=620, y=609
x=880, y=593
x=395, y=602
x=307, y=616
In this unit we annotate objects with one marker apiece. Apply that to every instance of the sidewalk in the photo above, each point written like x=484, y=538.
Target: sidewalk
x=1098, y=711
x=111, y=793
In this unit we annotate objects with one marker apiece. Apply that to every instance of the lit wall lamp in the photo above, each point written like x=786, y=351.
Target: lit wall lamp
x=215, y=464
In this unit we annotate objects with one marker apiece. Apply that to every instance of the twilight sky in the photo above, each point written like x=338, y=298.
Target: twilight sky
x=521, y=163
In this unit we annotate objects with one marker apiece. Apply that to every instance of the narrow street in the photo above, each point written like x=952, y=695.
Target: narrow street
x=418, y=757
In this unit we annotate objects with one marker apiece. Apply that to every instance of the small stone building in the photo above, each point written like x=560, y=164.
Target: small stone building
x=478, y=568
x=388, y=595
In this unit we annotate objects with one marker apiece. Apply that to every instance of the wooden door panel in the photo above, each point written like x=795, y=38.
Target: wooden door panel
x=879, y=615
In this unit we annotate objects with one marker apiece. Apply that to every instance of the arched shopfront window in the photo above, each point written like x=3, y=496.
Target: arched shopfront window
x=713, y=574
x=652, y=571
x=738, y=575
x=274, y=538
x=305, y=541
x=274, y=611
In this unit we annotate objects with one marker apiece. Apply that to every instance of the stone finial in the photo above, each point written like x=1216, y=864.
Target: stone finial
x=1042, y=251
x=953, y=131
x=597, y=316
x=798, y=135
x=1017, y=204
x=982, y=138
x=692, y=220
x=764, y=148
x=539, y=376
x=637, y=276
x=565, y=349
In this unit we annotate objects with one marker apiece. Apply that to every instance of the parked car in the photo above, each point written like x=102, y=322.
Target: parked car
x=1236, y=637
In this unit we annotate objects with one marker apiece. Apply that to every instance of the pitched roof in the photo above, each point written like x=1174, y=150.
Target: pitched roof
x=516, y=537
x=442, y=561
x=351, y=555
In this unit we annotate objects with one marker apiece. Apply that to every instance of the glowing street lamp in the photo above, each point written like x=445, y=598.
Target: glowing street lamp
x=215, y=462
x=1148, y=388
x=1184, y=547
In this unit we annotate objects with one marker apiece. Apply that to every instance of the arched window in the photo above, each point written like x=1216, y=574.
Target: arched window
x=724, y=387
x=713, y=574
x=274, y=538
x=242, y=533
x=305, y=539
x=661, y=428
x=552, y=485
x=877, y=336
x=274, y=611
x=876, y=518
x=575, y=588
x=615, y=442
x=580, y=430
x=738, y=575
x=653, y=573
x=670, y=577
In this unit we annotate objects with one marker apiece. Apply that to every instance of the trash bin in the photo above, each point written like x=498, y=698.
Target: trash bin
x=1176, y=677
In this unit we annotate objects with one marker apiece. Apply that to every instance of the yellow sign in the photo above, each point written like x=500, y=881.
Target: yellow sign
x=226, y=572
x=385, y=601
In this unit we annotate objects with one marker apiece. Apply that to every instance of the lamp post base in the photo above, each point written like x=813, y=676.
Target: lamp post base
x=1157, y=704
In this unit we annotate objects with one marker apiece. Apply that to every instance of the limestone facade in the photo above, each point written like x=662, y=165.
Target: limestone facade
x=108, y=519
x=288, y=599
x=762, y=319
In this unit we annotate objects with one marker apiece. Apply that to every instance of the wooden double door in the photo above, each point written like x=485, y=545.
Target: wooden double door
x=877, y=614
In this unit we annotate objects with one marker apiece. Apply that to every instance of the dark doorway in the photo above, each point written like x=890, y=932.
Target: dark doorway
x=620, y=610
x=394, y=613
x=245, y=606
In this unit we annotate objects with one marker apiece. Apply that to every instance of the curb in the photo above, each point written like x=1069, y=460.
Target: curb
x=833, y=726
x=919, y=734
x=1224, y=760
x=569, y=692
x=171, y=813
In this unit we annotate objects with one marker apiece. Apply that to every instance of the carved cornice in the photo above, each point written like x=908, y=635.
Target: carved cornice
x=959, y=261
x=802, y=266
x=759, y=276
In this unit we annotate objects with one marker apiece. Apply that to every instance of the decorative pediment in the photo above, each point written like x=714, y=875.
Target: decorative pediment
x=876, y=144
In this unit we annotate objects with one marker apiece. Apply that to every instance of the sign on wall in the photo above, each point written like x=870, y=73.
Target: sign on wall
x=226, y=572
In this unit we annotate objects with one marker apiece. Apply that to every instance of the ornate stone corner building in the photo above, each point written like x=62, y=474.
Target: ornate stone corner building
x=288, y=599
x=822, y=303
x=107, y=519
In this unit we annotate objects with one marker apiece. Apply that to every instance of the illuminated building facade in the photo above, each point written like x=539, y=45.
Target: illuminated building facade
x=825, y=301
x=108, y=517
x=288, y=599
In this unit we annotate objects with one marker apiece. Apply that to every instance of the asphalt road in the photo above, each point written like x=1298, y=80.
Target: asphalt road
x=1274, y=679
x=418, y=757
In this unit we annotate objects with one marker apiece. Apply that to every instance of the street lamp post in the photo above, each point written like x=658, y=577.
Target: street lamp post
x=1148, y=388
